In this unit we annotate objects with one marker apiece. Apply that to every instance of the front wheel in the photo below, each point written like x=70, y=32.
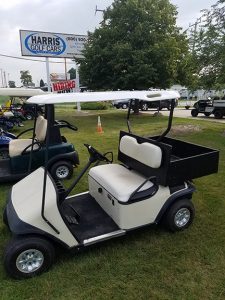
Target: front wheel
x=26, y=257
x=62, y=170
x=5, y=218
x=124, y=106
x=180, y=215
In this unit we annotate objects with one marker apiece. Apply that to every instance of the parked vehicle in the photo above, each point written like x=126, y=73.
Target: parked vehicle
x=144, y=105
x=25, y=155
x=151, y=185
x=121, y=103
x=209, y=107
x=17, y=102
x=159, y=105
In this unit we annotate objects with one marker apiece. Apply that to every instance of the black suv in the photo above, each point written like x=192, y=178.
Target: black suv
x=144, y=105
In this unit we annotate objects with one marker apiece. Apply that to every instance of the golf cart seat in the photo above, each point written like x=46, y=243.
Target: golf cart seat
x=126, y=184
x=17, y=146
x=8, y=114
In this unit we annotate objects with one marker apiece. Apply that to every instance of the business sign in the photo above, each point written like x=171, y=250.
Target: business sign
x=63, y=85
x=47, y=44
x=59, y=76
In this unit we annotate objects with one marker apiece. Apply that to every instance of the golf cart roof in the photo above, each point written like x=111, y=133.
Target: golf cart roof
x=20, y=92
x=103, y=96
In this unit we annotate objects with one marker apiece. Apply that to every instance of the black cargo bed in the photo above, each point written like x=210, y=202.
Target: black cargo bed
x=186, y=161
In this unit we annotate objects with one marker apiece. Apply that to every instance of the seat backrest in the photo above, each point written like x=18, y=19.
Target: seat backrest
x=41, y=128
x=145, y=153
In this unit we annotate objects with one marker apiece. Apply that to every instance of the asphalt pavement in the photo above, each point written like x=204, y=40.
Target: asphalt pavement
x=186, y=113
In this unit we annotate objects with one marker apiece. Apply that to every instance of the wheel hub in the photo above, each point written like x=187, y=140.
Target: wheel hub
x=62, y=172
x=182, y=217
x=29, y=261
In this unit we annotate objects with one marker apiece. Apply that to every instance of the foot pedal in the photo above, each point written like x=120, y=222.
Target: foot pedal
x=71, y=220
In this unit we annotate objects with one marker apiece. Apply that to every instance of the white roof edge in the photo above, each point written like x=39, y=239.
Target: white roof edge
x=103, y=96
x=20, y=92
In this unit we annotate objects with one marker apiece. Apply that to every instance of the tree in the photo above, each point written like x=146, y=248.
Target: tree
x=137, y=46
x=72, y=72
x=42, y=83
x=25, y=78
x=209, y=47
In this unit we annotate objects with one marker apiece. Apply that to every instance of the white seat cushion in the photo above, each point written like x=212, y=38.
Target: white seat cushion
x=118, y=180
x=16, y=147
x=8, y=114
x=146, y=153
x=41, y=129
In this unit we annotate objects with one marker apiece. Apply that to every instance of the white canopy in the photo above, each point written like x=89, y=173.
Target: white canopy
x=20, y=92
x=103, y=96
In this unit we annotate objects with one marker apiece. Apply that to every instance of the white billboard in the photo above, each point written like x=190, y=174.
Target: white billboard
x=48, y=44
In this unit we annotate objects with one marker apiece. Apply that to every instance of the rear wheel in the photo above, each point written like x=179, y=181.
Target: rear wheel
x=29, y=115
x=4, y=153
x=194, y=112
x=27, y=257
x=180, y=215
x=62, y=170
x=124, y=106
x=218, y=114
x=144, y=106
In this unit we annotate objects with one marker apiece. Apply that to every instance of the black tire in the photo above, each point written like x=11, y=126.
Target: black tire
x=207, y=114
x=26, y=257
x=218, y=114
x=179, y=216
x=194, y=113
x=144, y=106
x=62, y=170
x=29, y=115
x=4, y=217
x=4, y=153
x=124, y=106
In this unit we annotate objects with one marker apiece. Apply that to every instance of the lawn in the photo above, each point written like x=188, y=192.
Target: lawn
x=147, y=264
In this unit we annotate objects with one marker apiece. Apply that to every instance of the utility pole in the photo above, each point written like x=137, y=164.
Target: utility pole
x=2, y=78
x=98, y=10
x=5, y=82
x=194, y=31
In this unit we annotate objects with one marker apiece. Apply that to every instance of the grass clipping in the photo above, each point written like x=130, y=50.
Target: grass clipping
x=185, y=129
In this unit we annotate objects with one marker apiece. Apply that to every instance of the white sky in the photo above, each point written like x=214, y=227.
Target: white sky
x=67, y=16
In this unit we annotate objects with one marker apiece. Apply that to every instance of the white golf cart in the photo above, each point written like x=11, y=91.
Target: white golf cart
x=152, y=184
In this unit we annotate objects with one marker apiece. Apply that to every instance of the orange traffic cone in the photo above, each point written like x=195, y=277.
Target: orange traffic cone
x=99, y=126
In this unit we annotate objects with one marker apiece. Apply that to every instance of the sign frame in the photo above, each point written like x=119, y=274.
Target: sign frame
x=77, y=53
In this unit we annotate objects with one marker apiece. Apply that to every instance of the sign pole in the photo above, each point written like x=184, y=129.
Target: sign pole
x=48, y=74
x=78, y=85
x=65, y=70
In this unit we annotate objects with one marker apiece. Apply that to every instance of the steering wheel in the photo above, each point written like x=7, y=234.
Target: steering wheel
x=67, y=124
x=96, y=155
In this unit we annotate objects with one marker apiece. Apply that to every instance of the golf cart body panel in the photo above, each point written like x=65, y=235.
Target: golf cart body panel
x=29, y=206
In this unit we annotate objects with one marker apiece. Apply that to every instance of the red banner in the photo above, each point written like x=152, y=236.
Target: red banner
x=63, y=85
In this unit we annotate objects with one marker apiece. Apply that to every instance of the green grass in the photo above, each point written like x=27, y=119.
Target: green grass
x=148, y=264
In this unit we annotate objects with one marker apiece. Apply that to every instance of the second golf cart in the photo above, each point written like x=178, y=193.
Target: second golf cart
x=23, y=155
x=151, y=185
